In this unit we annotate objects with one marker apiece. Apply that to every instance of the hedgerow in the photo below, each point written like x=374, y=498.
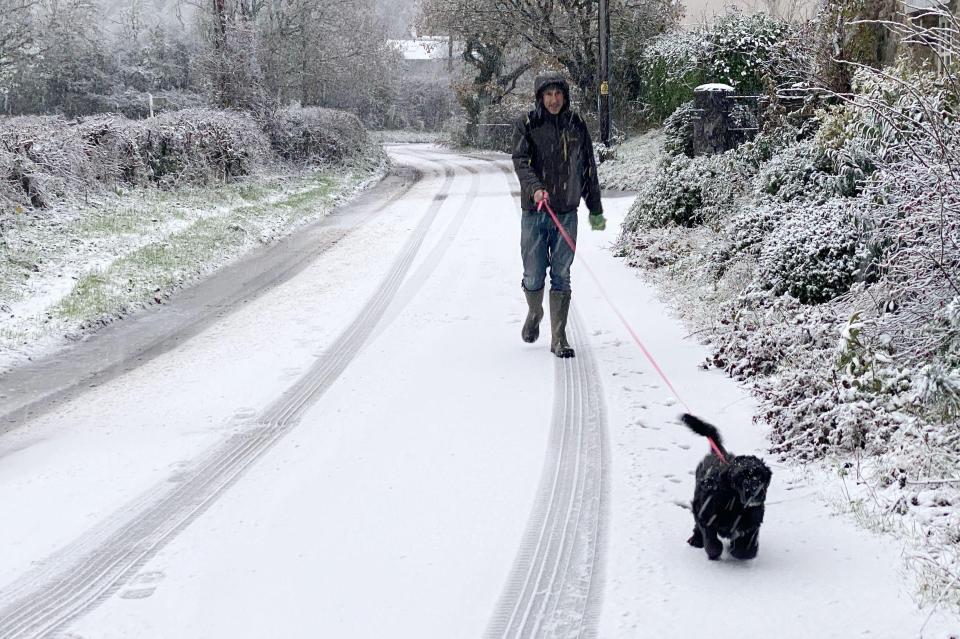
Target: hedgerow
x=829, y=277
x=48, y=159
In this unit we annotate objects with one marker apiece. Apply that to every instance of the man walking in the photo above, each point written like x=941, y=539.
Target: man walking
x=553, y=158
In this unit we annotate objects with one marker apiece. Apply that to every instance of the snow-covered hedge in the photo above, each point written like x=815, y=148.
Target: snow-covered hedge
x=690, y=191
x=629, y=167
x=816, y=253
x=199, y=146
x=830, y=281
x=814, y=171
x=46, y=159
x=314, y=135
x=678, y=130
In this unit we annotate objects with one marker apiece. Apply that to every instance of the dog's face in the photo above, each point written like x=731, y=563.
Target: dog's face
x=750, y=477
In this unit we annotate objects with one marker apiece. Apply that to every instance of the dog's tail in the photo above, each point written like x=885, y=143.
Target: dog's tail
x=709, y=431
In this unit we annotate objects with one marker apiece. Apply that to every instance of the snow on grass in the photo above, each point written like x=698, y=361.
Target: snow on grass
x=66, y=272
x=633, y=162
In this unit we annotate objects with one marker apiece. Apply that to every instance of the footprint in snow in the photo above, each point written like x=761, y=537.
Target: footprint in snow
x=290, y=373
x=143, y=585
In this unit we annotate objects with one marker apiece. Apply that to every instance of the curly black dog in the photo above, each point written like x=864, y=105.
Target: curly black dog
x=728, y=499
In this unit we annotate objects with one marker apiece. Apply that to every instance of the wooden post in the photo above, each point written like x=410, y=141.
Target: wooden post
x=604, y=93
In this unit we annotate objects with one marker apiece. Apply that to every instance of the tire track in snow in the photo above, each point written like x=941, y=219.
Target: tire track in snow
x=433, y=258
x=91, y=569
x=555, y=585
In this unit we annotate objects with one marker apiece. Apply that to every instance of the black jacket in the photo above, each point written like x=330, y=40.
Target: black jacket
x=554, y=152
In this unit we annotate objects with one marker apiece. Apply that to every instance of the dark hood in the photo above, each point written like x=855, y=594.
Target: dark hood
x=543, y=80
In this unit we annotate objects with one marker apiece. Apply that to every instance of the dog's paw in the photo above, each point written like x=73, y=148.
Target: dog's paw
x=743, y=553
x=745, y=547
x=696, y=541
x=714, y=550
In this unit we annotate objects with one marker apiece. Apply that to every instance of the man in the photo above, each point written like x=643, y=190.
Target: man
x=553, y=158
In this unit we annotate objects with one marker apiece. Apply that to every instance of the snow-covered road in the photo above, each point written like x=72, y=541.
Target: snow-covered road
x=367, y=449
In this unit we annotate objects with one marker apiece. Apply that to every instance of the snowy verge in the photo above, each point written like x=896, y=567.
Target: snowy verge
x=66, y=272
x=632, y=162
x=403, y=136
x=764, y=254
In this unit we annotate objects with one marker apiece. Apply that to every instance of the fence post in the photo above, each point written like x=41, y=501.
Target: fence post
x=710, y=130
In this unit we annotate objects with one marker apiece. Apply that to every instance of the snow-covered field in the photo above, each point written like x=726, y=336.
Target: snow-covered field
x=367, y=449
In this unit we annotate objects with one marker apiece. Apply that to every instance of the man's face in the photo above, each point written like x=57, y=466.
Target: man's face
x=553, y=99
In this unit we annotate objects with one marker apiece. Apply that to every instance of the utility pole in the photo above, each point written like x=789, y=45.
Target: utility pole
x=604, y=96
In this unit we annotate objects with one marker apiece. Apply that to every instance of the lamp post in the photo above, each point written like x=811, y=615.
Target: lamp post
x=604, y=94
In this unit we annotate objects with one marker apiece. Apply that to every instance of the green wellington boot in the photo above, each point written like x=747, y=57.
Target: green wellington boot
x=531, y=327
x=559, y=307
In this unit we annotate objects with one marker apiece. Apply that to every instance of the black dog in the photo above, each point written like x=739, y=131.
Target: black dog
x=728, y=499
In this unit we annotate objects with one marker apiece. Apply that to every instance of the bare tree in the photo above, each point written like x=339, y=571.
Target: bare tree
x=17, y=30
x=538, y=32
x=492, y=48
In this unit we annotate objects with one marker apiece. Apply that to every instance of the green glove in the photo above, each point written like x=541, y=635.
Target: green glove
x=598, y=222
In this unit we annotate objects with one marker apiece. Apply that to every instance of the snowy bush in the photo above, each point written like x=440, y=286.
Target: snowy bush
x=805, y=171
x=749, y=229
x=817, y=253
x=457, y=130
x=112, y=144
x=421, y=104
x=759, y=334
x=49, y=158
x=495, y=124
x=891, y=110
x=669, y=70
x=690, y=191
x=830, y=282
x=742, y=49
x=197, y=146
x=313, y=135
x=736, y=49
x=744, y=233
x=678, y=130
x=673, y=195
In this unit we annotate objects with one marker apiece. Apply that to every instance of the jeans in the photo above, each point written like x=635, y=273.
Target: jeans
x=542, y=246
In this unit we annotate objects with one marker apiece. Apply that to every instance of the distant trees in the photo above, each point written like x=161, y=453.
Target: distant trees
x=493, y=49
x=79, y=56
x=502, y=39
x=258, y=54
x=62, y=62
x=17, y=31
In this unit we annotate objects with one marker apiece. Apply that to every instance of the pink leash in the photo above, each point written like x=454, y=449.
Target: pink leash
x=623, y=320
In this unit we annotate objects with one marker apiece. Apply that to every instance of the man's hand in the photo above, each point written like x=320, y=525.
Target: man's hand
x=540, y=195
x=597, y=221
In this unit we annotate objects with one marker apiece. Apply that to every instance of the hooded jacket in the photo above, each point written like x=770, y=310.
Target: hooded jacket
x=555, y=153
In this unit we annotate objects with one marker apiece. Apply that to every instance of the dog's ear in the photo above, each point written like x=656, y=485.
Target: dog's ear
x=767, y=473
